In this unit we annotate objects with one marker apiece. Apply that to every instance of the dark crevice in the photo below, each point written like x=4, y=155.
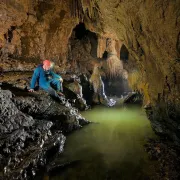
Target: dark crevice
x=140, y=50
x=9, y=35
x=105, y=55
x=80, y=31
x=140, y=28
x=124, y=54
x=82, y=34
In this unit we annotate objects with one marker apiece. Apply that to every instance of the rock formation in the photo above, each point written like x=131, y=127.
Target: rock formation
x=31, y=126
x=76, y=33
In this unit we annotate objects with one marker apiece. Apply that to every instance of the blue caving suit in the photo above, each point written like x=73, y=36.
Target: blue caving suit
x=46, y=80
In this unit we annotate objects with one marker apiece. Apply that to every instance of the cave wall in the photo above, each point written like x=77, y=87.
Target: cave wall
x=34, y=30
x=42, y=29
x=150, y=30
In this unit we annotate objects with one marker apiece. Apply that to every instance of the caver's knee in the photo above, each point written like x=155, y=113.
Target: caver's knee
x=55, y=81
x=45, y=87
x=50, y=91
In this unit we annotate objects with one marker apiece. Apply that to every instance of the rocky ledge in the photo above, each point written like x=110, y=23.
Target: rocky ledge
x=32, y=128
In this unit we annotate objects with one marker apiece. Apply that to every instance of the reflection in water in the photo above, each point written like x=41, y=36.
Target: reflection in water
x=111, y=148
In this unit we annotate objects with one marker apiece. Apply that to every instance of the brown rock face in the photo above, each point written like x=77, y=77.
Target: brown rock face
x=41, y=29
x=150, y=30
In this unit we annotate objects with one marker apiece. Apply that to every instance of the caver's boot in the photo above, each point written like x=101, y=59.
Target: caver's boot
x=60, y=93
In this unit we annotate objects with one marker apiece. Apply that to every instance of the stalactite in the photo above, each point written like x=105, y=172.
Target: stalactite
x=72, y=7
x=88, y=6
x=101, y=47
x=80, y=10
x=118, y=48
x=114, y=64
x=76, y=8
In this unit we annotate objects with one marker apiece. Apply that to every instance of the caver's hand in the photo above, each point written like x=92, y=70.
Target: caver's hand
x=61, y=80
x=31, y=90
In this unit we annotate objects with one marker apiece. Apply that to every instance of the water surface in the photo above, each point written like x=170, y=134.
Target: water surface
x=110, y=148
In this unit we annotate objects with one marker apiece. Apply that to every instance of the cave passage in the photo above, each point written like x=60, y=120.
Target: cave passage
x=109, y=148
x=81, y=34
x=80, y=31
x=116, y=87
x=124, y=54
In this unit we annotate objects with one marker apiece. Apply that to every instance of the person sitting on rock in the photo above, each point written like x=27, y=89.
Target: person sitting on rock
x=47, y=79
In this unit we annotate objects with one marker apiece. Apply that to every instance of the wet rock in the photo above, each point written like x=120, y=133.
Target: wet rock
x=42, y=106
x=133, y=98
x=24, y=140
x=75, y=99
x=167, y=158
x=31, y=127
x=10, y=117
x=164, y=119
x=55, y=168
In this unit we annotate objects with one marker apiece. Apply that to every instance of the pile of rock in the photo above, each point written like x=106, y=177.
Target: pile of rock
x=31, y=126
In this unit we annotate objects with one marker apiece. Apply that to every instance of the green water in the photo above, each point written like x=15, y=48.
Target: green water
x=111, y=148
